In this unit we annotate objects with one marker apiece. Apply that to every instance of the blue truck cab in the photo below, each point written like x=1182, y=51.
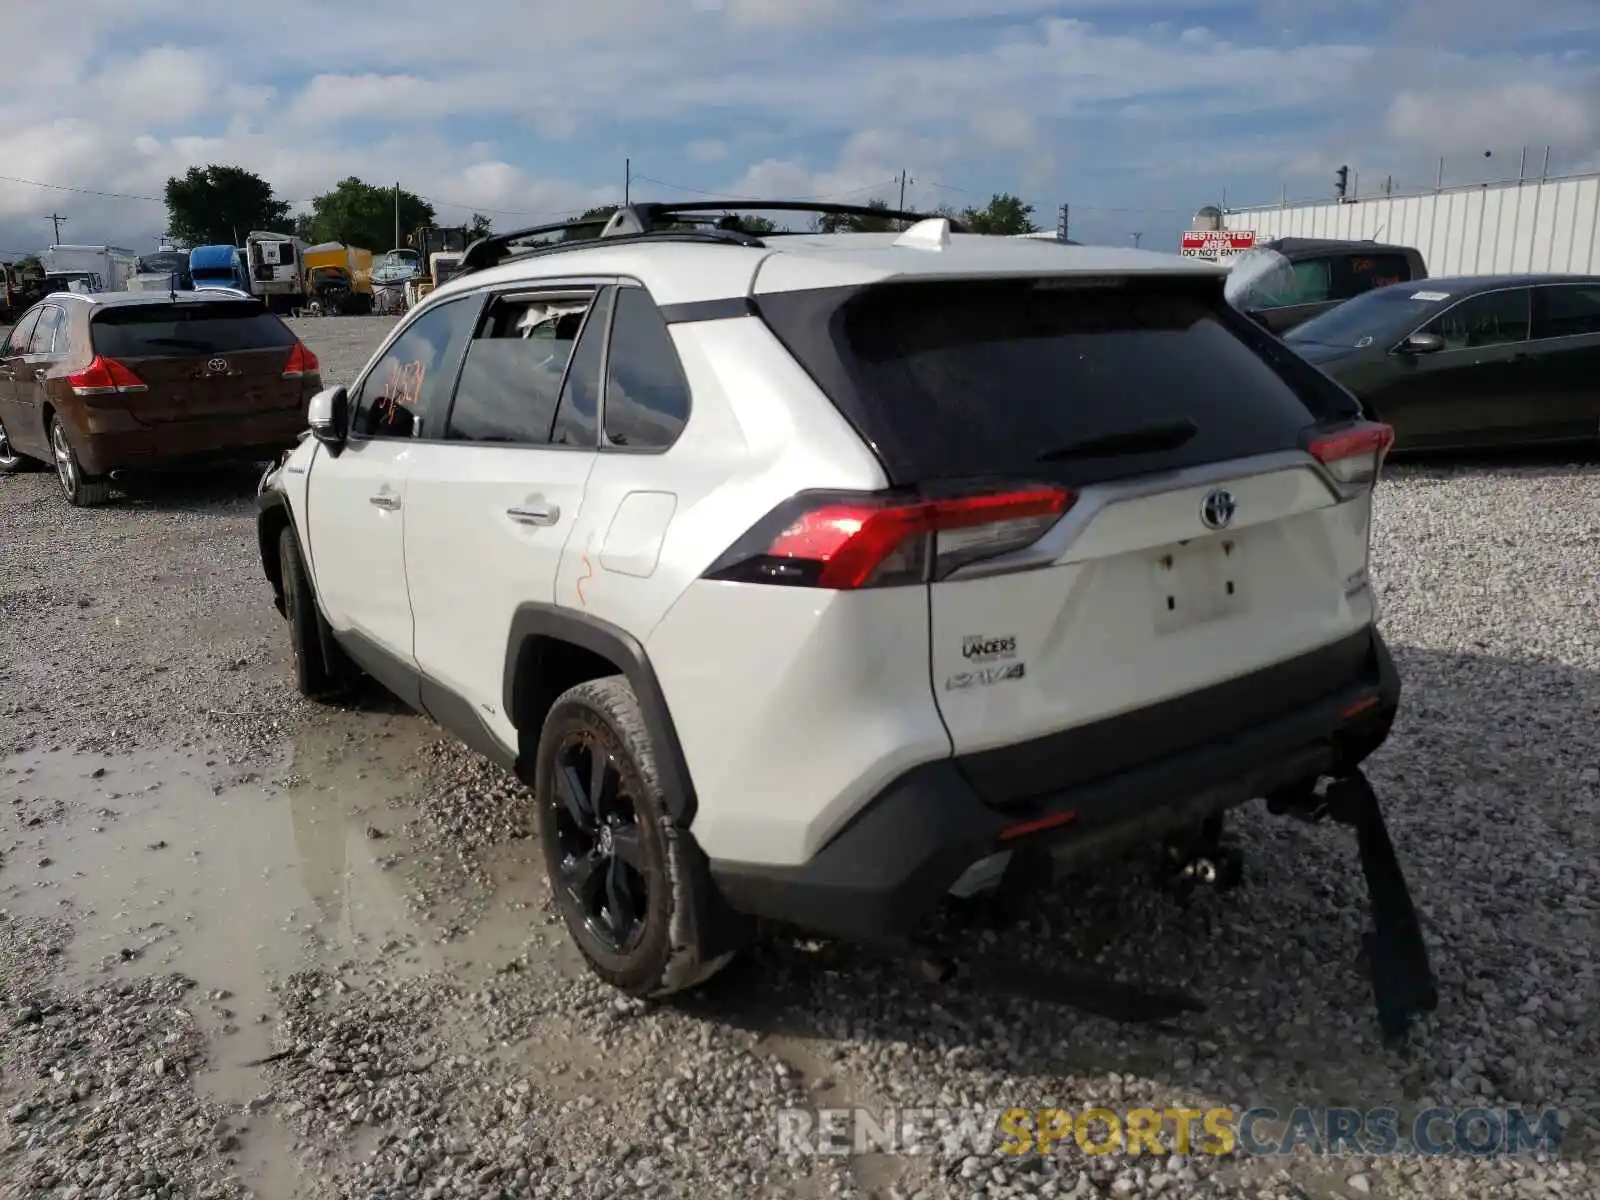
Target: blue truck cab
x=218, y=266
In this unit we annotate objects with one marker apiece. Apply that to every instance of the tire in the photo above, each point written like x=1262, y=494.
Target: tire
x=82, y=490
x=641, y=849
x=320, y=669
x=11, y=462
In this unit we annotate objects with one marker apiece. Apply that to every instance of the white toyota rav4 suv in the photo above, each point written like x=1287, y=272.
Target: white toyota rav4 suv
x=810, y=577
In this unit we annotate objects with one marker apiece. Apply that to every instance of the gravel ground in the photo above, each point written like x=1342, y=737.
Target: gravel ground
x=249, y=945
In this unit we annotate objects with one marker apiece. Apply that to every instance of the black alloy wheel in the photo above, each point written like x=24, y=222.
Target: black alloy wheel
x=600, y=852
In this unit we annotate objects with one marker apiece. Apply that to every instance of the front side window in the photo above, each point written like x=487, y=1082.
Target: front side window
x=22, y=333
x=1492, y=319
x=1362, y=272
x=511, y=378
x=406, y=390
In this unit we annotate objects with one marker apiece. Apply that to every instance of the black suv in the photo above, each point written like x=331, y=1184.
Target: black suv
x=1289, y=280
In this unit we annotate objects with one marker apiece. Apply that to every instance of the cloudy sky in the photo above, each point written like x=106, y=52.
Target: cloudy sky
x=1133, y=111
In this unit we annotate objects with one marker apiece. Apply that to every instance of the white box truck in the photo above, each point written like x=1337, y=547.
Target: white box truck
x=92, y=268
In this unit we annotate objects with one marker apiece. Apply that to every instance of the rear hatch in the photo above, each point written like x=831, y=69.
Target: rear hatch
x=1166, y=563
x=201, y=359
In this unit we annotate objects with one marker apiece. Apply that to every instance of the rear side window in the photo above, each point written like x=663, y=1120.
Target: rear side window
x=511, y=379
x=168, y=330
x=962, y=379
x=1567, y=310
x=50, y=336
x=647, y=395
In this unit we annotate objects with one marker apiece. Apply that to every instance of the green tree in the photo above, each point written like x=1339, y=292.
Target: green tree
x=218, y=204
x=1005, y=214
x=362, y=214
x=842, y=223
x=479, y=227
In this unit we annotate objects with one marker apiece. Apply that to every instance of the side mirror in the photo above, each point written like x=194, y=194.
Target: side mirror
x=1422, y=343
x=328, y=414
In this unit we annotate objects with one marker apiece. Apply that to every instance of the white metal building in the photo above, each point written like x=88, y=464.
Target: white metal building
x=1549, y=225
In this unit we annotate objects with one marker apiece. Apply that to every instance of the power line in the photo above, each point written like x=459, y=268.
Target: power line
x=757, y=199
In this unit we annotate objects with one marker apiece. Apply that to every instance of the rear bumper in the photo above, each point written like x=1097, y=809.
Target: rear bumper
x=889, y=868
x=260, y=435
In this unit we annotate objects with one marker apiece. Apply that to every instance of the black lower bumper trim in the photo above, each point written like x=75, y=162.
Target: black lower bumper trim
x=889, y=868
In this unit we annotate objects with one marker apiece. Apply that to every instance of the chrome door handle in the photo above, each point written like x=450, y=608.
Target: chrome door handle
x=534, y=514
x=385, y=500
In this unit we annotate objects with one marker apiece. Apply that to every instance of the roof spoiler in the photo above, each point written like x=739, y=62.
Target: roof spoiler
x=696, y=220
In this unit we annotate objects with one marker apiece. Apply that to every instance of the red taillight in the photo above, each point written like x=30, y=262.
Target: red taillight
x=301, y=362
x=845, y=541
x=1354, y=456
x=105, y=377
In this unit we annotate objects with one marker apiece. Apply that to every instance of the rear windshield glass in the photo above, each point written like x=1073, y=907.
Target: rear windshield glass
x=175, y=330
x=957, y=379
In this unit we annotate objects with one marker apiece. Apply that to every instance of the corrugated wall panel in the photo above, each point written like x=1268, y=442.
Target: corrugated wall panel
x=1504, y=228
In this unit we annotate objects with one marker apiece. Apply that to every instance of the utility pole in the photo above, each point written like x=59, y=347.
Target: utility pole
x=1136, y=237
x=397, y=214
x=627, y=181
x=902, y=189
x=57, y=219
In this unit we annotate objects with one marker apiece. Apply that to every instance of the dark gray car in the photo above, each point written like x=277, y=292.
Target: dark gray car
x=1470, y=361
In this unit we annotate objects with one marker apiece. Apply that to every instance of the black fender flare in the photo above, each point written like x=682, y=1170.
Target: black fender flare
x=272, y=506
x=536, y=620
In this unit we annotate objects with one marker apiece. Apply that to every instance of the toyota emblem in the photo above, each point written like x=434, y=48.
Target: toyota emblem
x=1217, y=509
x=218, y=366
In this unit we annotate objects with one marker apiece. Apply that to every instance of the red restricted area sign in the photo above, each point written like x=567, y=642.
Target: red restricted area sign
x=1217, y=243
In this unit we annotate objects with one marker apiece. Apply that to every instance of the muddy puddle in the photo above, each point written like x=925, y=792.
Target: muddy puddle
x=178, y=861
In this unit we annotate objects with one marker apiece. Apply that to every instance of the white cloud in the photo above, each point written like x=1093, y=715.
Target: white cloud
x=762, y=97
x=706, y=150
x=1005, y=128
x=1510, y=114
x=160, y=86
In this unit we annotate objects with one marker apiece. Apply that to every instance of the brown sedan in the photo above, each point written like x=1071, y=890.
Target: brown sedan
x=124, y=380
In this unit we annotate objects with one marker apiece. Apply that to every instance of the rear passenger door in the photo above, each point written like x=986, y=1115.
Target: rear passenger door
x=1565, y=365
x=490, y=506
x=652, y=469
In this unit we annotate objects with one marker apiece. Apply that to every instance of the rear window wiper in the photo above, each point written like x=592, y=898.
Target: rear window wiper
x=1144, y=439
